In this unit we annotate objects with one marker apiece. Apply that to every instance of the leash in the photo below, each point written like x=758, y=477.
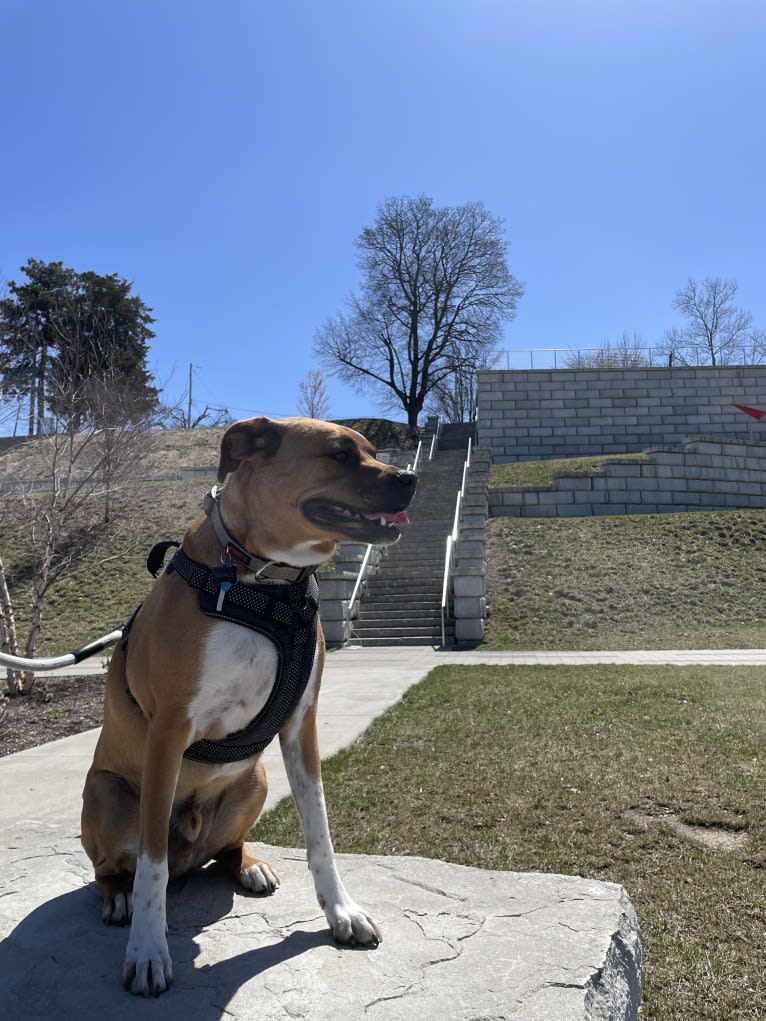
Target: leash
x=68, y=659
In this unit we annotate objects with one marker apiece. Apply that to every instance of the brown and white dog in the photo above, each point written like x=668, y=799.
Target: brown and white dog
x=297, y=486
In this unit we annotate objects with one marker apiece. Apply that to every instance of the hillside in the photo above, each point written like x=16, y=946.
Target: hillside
x=103, y=589
x=169, y=450
x=683, y=580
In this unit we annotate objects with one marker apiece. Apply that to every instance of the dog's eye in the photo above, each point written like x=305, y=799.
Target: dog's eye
x=341, y=456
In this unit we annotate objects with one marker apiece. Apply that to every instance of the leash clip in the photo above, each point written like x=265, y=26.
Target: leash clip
x=224, y=576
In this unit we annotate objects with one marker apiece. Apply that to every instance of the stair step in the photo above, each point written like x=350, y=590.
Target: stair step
x=372, y=643
x=399, y=633
x=401, y=602
x=403, y=617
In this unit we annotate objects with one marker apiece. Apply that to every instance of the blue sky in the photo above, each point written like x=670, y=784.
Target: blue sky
x=224, y=156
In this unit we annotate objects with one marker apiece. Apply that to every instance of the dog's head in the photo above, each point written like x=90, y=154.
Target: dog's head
x=304, y=484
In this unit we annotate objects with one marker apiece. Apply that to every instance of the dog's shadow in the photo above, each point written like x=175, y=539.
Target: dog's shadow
x=61, y=961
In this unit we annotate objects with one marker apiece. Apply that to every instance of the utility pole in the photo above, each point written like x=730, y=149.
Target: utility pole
x=189, y=412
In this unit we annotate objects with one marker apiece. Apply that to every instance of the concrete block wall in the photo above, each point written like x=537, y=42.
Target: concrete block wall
x=703, y=474
x=534, y=414
x=469, y=576
x=336, y=586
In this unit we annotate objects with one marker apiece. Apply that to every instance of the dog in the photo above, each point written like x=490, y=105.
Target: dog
x=188, y=672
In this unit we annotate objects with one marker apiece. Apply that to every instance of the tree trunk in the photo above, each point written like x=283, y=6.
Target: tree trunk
x=8, y=626
x=412, y=422
x=41, y=587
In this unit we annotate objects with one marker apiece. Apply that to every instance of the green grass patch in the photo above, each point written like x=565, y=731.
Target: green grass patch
x=541, y=473
x=647, y=581
x=578, y=770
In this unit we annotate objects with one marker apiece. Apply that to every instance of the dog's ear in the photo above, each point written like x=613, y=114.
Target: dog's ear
x=244, y=439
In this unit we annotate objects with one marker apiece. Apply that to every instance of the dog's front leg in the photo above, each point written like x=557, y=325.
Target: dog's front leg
x=148, y=969
x=300, y=750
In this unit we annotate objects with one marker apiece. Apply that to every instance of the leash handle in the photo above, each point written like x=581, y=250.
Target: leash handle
x=58, y=662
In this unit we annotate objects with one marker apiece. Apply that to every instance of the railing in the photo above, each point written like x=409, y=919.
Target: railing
x=449, y=555
x=359, y=582
x=360, y=578
x=617, y=356
x=418, y=454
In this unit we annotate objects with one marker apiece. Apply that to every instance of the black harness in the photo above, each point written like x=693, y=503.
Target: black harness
x=286, y=613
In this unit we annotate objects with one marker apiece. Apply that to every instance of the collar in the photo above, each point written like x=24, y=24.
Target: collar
x=263, y=569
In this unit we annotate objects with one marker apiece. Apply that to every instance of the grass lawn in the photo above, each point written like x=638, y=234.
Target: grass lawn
x=647, y=581
x=619, y=774
x=541, y=473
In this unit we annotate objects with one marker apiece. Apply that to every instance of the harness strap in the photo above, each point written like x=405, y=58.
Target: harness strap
x=287, y=614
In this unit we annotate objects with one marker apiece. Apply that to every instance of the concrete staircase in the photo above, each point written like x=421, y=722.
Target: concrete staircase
x=402, y=603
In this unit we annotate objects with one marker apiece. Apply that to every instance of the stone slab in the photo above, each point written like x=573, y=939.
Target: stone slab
x=459, y=943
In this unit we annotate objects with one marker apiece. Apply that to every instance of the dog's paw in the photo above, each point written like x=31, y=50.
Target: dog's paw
x=148, y=970
x=349, y=924
x=259, y=877
x=118, y=909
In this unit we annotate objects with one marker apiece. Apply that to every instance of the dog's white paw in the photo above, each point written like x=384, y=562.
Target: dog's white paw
x=259, y=877
x=148, y=970
x=349, y=924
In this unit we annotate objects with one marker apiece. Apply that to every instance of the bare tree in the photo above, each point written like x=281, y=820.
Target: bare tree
x=454, y=398
x=68, y=510
x=182, y=414
x=716, y=331
x=627, y=353
x=436, y=290
x=314, y=400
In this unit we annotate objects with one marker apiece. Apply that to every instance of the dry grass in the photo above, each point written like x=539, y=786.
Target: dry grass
x=647, y=581
x=542, y=473
x=104, y=587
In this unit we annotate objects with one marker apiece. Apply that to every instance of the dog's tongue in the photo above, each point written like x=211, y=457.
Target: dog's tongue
x=399, y=518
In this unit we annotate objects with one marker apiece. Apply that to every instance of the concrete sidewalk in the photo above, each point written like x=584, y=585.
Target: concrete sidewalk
x=459, y=943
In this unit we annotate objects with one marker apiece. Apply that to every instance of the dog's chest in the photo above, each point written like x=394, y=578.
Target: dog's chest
x=238, y=671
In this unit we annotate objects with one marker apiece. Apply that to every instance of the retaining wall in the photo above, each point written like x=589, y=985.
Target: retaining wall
x=703, y=474
x=534, y=414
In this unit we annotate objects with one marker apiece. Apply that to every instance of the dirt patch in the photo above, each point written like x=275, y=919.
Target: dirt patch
x=714, y=838
x=56, y=707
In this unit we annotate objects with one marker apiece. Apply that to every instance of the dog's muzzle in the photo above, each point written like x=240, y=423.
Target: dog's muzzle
x=382, y=525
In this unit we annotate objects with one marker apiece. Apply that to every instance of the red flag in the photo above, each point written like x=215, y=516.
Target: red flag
x=756, y=413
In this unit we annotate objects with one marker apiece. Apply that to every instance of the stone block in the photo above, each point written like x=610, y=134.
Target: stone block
x=469, y=584
x=332, y=586
x=469, y=630
x=574, y=510
x=336, y=632
x=469, y=548
x=470, y=606
x=334, y=609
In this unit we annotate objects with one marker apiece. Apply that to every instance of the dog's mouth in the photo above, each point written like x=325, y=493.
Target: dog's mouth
x=378, y=527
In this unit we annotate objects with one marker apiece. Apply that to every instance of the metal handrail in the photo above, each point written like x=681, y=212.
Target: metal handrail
x=447, y=571
x=366, y=558
x=452, y=540
x=416, y=463
x=359, y=581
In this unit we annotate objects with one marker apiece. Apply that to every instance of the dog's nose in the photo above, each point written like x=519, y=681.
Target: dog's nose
x=407, y=478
